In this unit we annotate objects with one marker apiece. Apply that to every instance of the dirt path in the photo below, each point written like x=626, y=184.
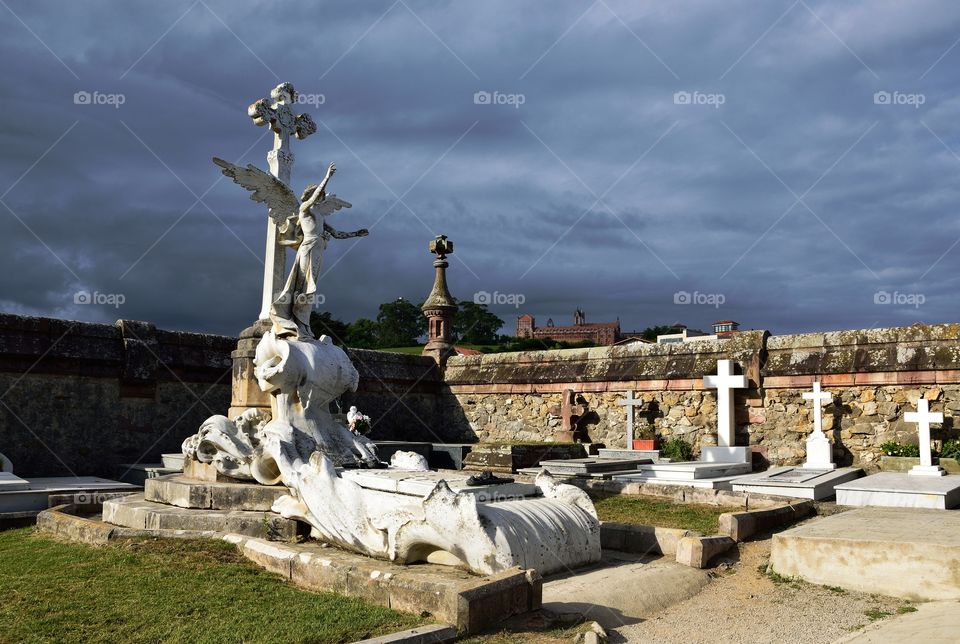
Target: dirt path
x=744, y=605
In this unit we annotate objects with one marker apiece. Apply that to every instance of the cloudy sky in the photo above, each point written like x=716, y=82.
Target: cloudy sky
x=791, y=165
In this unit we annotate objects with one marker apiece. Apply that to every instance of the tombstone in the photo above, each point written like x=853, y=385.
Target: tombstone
x=725, y=382
x=570, y=411
x=819, y=448
x=923, y=417
x=631, y=404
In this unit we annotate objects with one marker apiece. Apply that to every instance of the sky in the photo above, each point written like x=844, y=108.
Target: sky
x=792, y=165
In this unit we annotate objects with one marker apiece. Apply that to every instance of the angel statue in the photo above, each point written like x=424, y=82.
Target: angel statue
x=297, y=225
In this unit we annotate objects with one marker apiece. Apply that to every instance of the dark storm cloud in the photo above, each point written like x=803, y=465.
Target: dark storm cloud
x=800, y=200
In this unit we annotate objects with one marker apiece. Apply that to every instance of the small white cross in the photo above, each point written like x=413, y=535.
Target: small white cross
x=818, y=397
x=923, y=417
x=725, y=382
x=631, y=404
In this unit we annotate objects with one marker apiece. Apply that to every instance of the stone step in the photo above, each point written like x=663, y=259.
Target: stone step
x=183, y=492
x=138, y=473
x=593, y=465
x=135, y=512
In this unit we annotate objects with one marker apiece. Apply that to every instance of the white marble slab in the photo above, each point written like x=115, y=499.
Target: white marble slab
x=35, y=496
x=900, y=490
x=796, y=482
x=421, y=483
x=10, y=482
x=592, y=465
x=689, y=471
x=726, y=455
x=715, y=483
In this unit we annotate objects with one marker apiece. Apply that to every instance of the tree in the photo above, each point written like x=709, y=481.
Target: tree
x=401, y=323
x=363, y=334
x=325, y=324
x=651, y=332
x=474, y=324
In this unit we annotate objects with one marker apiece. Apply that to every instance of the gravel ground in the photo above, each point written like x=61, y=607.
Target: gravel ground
x=744, y=605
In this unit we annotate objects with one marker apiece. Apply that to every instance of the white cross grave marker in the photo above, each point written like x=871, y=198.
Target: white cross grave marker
x=631, y=404
x=725, y=382
x=819, y=450
x=923, y=417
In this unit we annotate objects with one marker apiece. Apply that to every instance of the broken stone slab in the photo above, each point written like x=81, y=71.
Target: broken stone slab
x=697, y=552
x=431, y=634
x=740, y=526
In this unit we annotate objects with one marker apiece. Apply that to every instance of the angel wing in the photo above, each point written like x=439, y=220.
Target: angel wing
x=281, y=202
x=330, y=204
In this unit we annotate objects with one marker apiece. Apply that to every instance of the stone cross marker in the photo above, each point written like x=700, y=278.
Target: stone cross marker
x=631, y=404
x=819, y=450
x=279, y=117
x=725, y=382
x=570, y=412
x=923, y=417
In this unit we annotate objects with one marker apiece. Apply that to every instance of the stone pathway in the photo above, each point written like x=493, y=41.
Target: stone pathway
x=744, y=605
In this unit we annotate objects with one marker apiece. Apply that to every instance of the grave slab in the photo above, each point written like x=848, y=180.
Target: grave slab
x=449, y=456
x=606, y=452
x=907, y=553
x=688, y=471
x=592, y=465
x=896, y=490
x=9, y=482
x=797, y=482
x=713, y=483
x=36, y=495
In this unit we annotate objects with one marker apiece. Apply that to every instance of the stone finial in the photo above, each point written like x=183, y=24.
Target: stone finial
x=440, y=308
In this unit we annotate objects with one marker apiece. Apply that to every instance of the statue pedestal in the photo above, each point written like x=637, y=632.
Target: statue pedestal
x=245, y=392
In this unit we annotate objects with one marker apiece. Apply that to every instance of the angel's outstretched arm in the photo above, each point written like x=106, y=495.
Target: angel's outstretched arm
x=337, y=234
x=320, y=189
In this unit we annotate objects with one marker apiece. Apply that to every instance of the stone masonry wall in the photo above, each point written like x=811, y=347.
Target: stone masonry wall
x=875, y=375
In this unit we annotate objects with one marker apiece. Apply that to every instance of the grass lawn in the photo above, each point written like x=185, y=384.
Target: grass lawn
x=642, y=510
x=166, y=590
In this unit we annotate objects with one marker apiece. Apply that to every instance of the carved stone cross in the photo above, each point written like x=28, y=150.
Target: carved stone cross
x=725, y=382
x=923, y=417
x=280, y=118
x=819, y=450
x=631, y=404
x=570, y=412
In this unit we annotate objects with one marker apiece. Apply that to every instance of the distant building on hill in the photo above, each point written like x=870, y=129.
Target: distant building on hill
x=721, y=330
x=600, y=333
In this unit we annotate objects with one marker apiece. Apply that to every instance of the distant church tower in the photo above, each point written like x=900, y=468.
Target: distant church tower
x=579, y=317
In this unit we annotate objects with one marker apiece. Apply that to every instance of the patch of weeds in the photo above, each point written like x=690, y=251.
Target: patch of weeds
x=875, y=613
x=836, y=589
x=903, y=610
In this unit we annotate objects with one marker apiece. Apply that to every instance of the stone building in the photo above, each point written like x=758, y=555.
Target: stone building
x=600, y=333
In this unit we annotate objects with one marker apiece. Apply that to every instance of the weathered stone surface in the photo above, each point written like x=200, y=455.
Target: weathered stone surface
x=510, y=458
x=432, y=634
x=190, y=493
x=697, y=551
x=740, y=526
x=641, y=539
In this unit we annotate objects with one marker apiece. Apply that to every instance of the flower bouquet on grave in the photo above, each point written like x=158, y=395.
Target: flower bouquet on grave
x=360, y=424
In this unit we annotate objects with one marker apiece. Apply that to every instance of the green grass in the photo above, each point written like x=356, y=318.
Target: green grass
x=166, y=591
x=640, y=510
x=903, y=610
x=875, y=613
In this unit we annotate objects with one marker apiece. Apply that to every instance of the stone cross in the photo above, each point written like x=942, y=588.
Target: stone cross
x=819, y=450
x=923, y=417
x=818, y=397
x=570, y=412
x=631, y=404
x=725, y=382
x=279, y=117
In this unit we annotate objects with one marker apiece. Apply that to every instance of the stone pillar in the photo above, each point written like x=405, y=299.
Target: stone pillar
x=440, y=307
x=245, y=392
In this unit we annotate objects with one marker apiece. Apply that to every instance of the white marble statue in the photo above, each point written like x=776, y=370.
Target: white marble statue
x=298, y=226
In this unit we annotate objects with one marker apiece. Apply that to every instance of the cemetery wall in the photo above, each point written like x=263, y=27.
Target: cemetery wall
x=875, y=375
x=83, y=398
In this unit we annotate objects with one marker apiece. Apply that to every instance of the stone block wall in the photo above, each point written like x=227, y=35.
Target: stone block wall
x=875, y=375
